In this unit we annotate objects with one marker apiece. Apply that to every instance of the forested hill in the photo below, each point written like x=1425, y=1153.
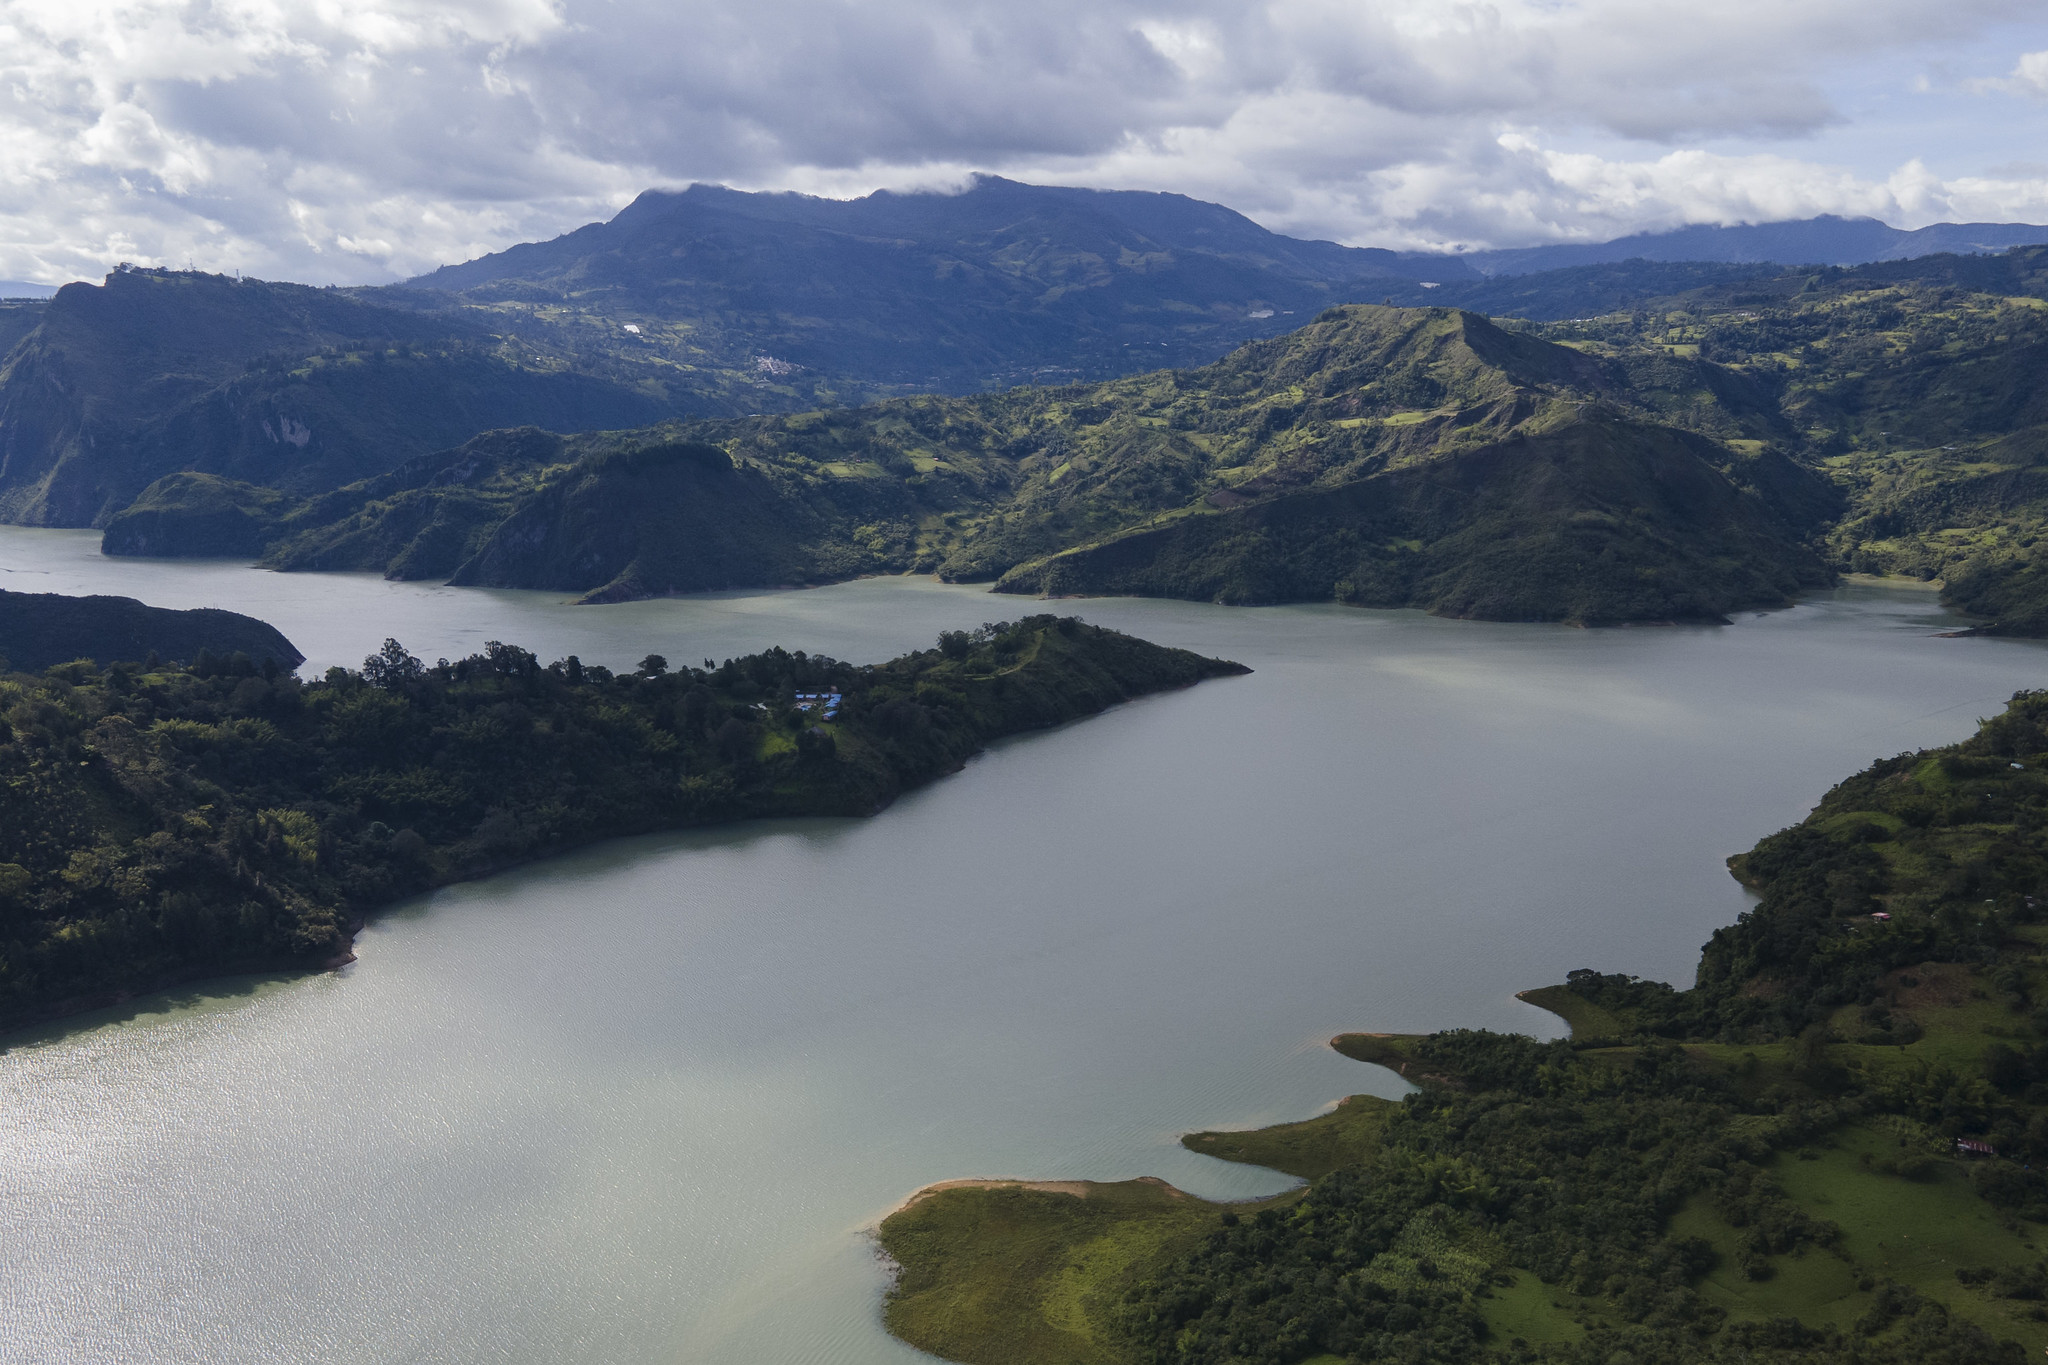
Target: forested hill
x=40, y=629
x=1386, y=421
x=1726, y=445
x=160, y=823
x=1831, y=1150
x=286, y=387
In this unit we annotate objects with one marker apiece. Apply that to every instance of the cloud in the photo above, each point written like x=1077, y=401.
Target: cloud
x=2029, y=76
x=367, y=139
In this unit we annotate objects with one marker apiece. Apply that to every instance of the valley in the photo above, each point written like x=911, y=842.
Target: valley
x=668, y=979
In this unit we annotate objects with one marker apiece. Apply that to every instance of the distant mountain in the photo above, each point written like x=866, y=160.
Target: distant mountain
x=999, y=284
x=704, y=303
x=223, y=412
x=1826, y=240
x=22, y=289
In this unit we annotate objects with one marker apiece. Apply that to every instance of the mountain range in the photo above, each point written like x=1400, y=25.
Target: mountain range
x=1727, y=446
x=1384, y=456
x=1000, y=284
x=703, y=303
x=716, y=389
x=1826, y=240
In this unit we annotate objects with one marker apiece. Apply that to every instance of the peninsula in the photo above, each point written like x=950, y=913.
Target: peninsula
x=168, y=822
x=39, y=630
x=1829, y=1150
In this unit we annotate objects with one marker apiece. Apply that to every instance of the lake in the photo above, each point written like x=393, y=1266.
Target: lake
x=643, y=1102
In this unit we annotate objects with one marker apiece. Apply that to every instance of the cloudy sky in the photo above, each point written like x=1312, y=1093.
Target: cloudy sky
x=367, y=140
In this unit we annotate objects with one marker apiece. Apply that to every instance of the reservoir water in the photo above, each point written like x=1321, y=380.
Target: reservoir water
x=643, y=1102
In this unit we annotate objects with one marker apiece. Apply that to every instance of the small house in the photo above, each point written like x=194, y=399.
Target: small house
x=1972, y=1147
x=1879, y=915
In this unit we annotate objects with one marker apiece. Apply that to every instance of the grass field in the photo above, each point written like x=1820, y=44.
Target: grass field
x=1530, y=1310
x=1586, y=1019
x=1003, y=1275
x=1308, y=1149
x=1916, y=1232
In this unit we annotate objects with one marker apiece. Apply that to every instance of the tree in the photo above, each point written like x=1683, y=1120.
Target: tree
x=733, y=741
x=392, y=667
x=510, y=661
x=653, y=666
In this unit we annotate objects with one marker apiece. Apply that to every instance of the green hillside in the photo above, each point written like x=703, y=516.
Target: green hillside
x=1914, y=385
x=169, y=822
x=1765, y=1168
x=705, y=303
x=1586, y=519
x=1720, y=447
x=1365, y=457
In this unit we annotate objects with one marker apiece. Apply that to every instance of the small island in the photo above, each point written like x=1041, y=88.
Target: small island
x=1832, y=1149
x=166, y=822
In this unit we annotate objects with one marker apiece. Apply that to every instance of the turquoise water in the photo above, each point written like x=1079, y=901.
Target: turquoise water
x=644, y=1102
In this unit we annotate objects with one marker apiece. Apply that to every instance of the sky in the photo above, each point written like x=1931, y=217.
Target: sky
x=361, y=141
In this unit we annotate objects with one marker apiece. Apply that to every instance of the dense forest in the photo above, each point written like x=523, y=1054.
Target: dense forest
x=165, y=821
x=1769, y=1166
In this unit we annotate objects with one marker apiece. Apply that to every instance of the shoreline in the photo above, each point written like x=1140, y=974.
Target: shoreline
x=1079, y=1189
x=344, y=952
x=1370, y=1049
x=985, y=1248
x=77, y=1005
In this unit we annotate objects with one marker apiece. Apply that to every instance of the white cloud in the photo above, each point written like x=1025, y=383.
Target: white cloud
x=361, y=139
x=2029, y=76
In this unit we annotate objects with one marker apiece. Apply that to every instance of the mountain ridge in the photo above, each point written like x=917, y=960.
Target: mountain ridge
x=1823, y=240
x=1363, y=406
